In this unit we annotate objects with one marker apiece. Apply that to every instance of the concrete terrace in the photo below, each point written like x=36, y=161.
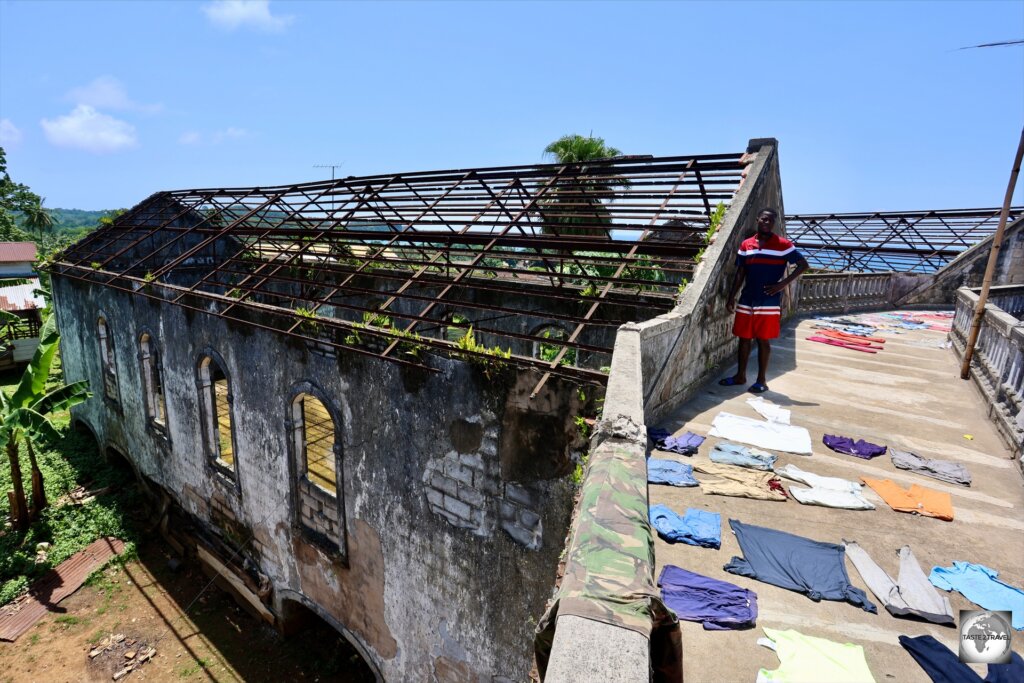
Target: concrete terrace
x=908, y=396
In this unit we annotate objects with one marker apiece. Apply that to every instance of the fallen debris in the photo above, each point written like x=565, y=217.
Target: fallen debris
x=20, y=614
x=128, y=654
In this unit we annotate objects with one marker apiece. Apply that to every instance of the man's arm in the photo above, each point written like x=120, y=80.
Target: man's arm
x=801, y=266
x=741, y=275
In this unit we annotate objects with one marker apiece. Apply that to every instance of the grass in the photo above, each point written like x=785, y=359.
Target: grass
x=187, y=671
x=73, y=461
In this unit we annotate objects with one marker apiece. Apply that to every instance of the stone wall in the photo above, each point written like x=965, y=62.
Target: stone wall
x=682, y=347
x=453, y=507
x=606, y=621
x=968, y=270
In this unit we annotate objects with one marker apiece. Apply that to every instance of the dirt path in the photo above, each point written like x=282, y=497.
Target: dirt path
x=145, y=601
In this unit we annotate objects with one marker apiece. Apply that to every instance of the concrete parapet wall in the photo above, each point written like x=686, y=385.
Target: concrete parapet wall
x=681, y=348
x=968, y=270
x=606, y=621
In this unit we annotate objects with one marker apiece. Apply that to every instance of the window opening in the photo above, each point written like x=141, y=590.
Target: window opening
x=548, y=349
x=153, y=383
x=107, y=360
x=316, y=443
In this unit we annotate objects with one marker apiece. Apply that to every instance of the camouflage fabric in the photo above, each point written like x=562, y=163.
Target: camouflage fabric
x=609, y=570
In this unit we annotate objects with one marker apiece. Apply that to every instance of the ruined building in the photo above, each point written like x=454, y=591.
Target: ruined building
x=369, y=398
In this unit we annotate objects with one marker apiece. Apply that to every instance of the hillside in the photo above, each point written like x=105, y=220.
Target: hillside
x=68, y=219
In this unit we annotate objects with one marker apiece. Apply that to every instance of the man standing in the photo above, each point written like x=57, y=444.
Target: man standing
x=761, y=262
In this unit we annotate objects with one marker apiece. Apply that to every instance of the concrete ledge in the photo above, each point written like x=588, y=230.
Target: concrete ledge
x=587, y=650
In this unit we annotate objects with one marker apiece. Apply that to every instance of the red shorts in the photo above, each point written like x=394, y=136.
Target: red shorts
x=757, y=322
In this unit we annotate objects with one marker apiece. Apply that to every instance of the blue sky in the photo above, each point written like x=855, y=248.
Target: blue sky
x=875, y=108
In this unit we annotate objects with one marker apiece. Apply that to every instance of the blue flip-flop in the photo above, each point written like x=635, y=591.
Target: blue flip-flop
x=729, y=382
x=757, y=388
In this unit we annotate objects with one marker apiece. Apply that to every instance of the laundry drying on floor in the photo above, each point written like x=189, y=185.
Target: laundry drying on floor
x=917, y=499
x=719, y=605
x=806, y=659
x=981, y=585
x=796, y=563
x=686, y=443
x=943, y=470
x=696, y=527
x=670, y=472
x=910, y=594
x=726, y=453
x=830, y=492
x=847, y=446
x=729, y=480
x=768, y=435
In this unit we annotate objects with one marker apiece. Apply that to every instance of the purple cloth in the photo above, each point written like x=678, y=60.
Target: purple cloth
x=860, y=449
x=720, y=605
x=686, y=444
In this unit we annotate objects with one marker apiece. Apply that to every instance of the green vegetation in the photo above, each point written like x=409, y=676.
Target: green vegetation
x=548, y=351
x=562, y=213
x=25, y=417
x=68, y=220
x=468, y=342
x=35, y=427
x=66, y=526
x=23, y=218
x=579, y=470
x=715, y=222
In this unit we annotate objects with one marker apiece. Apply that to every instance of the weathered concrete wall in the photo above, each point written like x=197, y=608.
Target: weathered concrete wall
x=968, y=270
x=600, y=623
x=601, y=615
x=680, y=348
x=453, y=529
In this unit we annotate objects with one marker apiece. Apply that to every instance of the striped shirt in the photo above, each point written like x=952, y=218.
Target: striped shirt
x=765, y=265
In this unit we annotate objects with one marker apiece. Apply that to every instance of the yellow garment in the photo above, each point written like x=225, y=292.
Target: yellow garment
x=923, y=501
x=729, y=480
x=805, y=659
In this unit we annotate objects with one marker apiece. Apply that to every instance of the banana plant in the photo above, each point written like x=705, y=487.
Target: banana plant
x=26, y=415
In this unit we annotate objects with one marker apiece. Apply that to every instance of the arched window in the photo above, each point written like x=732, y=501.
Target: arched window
x=457, y=327
x=314, y=442
x=316, y=454
x=547, y=347
x=107, y=360
x=153, y=382
x=216, y=399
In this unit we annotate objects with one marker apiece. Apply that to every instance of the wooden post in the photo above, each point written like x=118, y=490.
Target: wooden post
x=993, y=256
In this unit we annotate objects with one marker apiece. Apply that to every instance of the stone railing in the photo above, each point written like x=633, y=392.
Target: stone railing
x=843, y=292
x=998, y=363
x=1008, y=299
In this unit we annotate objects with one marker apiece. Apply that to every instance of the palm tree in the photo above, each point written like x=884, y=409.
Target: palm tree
x=25, y=414
x=579, y=199
x=37, y=218
x=571, y=149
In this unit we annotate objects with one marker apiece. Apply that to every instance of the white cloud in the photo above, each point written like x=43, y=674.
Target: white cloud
x=9, y=133
x=106, y=92
x=229, y=133
x=232, y=14
x=90, y=130
x=192, y=137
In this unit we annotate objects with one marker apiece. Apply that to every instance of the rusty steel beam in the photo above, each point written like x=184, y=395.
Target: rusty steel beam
x=563, y=235
x=912, y=241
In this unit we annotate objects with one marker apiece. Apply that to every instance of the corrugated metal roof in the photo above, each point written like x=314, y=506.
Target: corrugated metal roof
x=20, y=297
x=18, y=616
x=17, y=251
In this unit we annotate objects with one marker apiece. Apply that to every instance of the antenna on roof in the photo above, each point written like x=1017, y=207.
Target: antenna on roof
x=330, y=166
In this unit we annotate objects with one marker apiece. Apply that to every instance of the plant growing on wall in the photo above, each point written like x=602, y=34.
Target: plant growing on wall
x=25, y=415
